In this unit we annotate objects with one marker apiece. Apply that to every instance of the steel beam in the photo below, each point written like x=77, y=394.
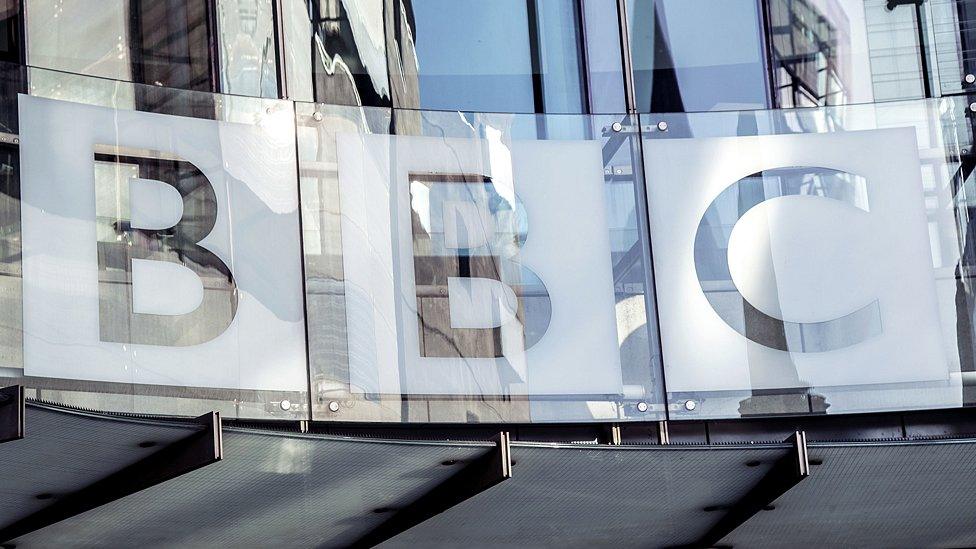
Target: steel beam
x=786, y=473
x=11, y=413
x=477, y=476
x=192, y=452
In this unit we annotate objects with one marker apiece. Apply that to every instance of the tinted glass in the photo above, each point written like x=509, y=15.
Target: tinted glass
x=697, y=55
x=504, y=55
x=604, y=67
x=833, y=52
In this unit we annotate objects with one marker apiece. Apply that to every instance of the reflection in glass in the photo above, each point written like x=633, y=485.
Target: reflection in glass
x=466, y=236
x=503, y=55
x=163, y=43
x=336, y=52
x=11, y=321
x=953, y=39
x=604, y=66
x=697, y=55
x=126, y=237
x=248, y=57
x=12, y=75
x=833, y=52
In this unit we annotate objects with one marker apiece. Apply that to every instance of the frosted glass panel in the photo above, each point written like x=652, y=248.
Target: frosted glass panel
x=488, y=267
x=813, y=261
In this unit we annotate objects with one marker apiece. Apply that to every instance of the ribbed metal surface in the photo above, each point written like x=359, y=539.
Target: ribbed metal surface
x=597, y=497
x=271, y=489
x=290, y=490
x=892, y=495
x=65, y=451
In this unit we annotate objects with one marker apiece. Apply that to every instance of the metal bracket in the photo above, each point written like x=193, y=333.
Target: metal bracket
x=611, y=434
x=786, y=473
x=663, y=436
x=11, y=413
x=188, y=454
x=477, y=476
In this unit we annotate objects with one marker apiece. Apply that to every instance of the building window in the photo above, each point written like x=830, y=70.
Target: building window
x=697, y=55
x=503, y=55
x=834, y=52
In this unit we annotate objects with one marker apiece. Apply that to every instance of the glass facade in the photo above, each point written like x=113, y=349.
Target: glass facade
x=492, y=263
x=797, y=277
x=480, y=212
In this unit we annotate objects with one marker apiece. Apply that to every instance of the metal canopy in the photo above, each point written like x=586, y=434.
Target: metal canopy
x=272, y=488
x=476, y=476
x=294, y=490
x=910, y=494
x=597, y=496
x=74, y=461
x=786, y=473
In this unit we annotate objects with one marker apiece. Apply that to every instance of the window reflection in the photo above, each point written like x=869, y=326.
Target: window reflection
x=953, y=40
x=348, y=55
x=12, y=79
x=697, y=55
x=833, y=52
x=248, y=57
x=164, y=43
x=503, y=55
x=11, y=301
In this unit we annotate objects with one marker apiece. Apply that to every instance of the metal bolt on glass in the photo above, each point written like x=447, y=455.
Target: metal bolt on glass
x=285, y=405
x=970, y=78
x=690, y=405
x=317, y=116
x=642, y=407
x=333, y=406
x=617, y=126
x=972, y=107
x=662, y=126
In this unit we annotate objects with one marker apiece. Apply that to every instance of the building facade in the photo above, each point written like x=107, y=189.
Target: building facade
x=648, y=213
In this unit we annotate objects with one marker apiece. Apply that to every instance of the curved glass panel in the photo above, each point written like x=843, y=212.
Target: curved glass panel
x=475, y=267
x=814, y=260
x=139, y=246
